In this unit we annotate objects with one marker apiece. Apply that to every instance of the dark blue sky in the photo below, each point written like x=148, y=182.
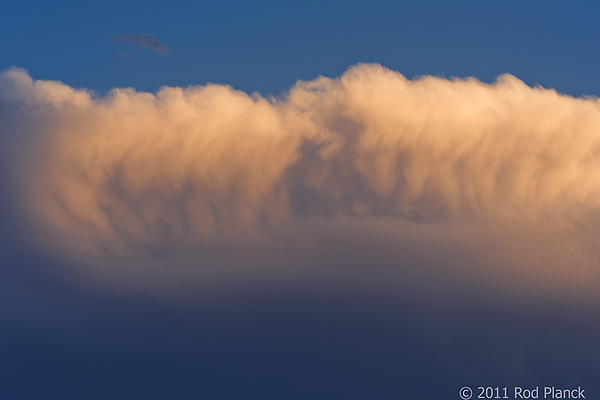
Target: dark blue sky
x=267, y=45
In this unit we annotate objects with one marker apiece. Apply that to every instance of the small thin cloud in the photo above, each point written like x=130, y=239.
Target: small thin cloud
x=145, y=41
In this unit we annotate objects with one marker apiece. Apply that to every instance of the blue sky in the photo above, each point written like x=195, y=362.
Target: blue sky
x=361, y=238
x=267, y=45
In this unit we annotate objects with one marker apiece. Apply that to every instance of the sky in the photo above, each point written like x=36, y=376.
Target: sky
x=322, y=200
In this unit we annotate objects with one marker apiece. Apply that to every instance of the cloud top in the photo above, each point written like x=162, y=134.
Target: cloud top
x=370, y=177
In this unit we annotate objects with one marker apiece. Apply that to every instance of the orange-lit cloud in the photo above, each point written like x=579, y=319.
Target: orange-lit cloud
x=370, y=178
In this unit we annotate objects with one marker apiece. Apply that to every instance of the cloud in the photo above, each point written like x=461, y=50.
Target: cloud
x=367, y=182
x=145, y=41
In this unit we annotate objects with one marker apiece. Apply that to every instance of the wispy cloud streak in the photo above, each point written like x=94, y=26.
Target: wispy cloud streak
x=145, y=41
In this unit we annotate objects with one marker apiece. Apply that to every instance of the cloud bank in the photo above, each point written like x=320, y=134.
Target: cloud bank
x=370, y=180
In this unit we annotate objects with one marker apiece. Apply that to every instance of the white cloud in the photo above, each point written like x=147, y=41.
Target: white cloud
x=367, y=180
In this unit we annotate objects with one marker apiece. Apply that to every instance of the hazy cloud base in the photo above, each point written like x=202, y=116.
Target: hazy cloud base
x=366, y=182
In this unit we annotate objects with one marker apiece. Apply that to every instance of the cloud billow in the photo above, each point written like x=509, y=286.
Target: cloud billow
x=369, y=180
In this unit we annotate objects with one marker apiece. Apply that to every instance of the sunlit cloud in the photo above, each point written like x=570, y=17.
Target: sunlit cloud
x=370, y=180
